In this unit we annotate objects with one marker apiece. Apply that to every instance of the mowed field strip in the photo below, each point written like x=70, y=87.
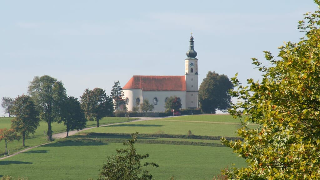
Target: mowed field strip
x=81, y=156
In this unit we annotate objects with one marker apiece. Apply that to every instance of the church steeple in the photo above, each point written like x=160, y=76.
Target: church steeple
x=191, y=53
x=191, y=77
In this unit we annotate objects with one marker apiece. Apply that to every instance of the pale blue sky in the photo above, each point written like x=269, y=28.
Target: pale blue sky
x=88, y=44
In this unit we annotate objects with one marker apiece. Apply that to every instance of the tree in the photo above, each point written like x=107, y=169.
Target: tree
x=126, y=164
x=117, y=96
x=146, y=106
x=8, y=135
x=285, y=103
x=48, y=95
x=72, y=115
x=173, y=102
x=96, y=104
x=213, y=93
x=7, y=104
x=26, y=120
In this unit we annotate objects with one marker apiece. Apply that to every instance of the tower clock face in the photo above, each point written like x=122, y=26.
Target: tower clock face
x=191, y=64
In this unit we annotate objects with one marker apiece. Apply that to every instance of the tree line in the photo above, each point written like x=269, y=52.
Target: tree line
x=47, y=101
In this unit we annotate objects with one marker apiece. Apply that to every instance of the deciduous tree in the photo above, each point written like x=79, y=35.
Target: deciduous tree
x=213, y=93
x=72, y=115
x=285, y=103
x=96, y=104
x=145, y=106
x=8, y=135
x=48, y=95
x=173, y=102
x=126, y=164
x=26, y=118
x=7, y=104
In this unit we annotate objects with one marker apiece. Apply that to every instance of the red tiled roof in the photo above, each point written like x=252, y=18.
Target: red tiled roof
x=157, y=83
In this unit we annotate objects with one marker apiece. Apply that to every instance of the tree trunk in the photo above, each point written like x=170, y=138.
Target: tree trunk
x=6, y=151
x=23, y=138
x=68, y=130
x=97, y=122
x=49, y=133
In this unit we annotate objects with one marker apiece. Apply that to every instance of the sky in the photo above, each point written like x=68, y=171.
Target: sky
x=89, y=44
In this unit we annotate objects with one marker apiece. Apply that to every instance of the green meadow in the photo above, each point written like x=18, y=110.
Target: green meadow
x=174, y=143
x=39, y=137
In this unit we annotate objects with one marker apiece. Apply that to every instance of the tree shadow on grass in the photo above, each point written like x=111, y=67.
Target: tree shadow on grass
x=77, y=142
x=13, y=162
x=37, y=151
x=135, y=125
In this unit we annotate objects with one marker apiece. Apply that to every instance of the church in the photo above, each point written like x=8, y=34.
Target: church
x=156, y=89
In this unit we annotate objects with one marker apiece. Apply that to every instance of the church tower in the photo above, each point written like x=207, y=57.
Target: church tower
x=191, y=77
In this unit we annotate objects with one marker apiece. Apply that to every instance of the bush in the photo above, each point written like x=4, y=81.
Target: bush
x=190, y=111
x=127, y=164
x=120, y=113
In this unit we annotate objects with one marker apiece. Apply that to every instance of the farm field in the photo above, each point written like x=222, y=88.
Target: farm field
x=168, y=142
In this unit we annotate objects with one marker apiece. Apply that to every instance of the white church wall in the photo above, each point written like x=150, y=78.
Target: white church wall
x=161, y=96
x=192, y=100
x=132, y=95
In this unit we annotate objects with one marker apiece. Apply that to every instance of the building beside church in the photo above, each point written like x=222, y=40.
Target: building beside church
x=156, y=89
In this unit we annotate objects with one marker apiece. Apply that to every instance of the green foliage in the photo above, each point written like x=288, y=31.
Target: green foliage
x=7, y=103
x=72, y=114
x=126, y=164
x=26, y=116
x=190, y=111
x=213, y=93
x=286, y=105
x=117, y=96
x=48, y=95
x=8, y=135
x=135, y=108
x=146, y=106
x=96, y=104
x=173, y=102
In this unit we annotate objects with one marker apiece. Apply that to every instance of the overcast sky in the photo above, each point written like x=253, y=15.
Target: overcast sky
x=88, y=44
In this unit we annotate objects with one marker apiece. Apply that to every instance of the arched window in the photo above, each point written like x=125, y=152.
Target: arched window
x=127, y=101
x=191, y=70
x=155, y=101
x=138, y=101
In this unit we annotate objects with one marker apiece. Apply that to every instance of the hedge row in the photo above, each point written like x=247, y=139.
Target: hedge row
x=126, y=135
x=100, y=141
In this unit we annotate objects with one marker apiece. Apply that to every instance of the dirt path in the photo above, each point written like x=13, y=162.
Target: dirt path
x=64, y=134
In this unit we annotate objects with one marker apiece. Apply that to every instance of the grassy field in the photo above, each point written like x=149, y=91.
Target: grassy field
x=39, y=137
x=82, y=156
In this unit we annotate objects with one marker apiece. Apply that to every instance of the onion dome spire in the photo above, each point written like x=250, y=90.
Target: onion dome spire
x=191, y=53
